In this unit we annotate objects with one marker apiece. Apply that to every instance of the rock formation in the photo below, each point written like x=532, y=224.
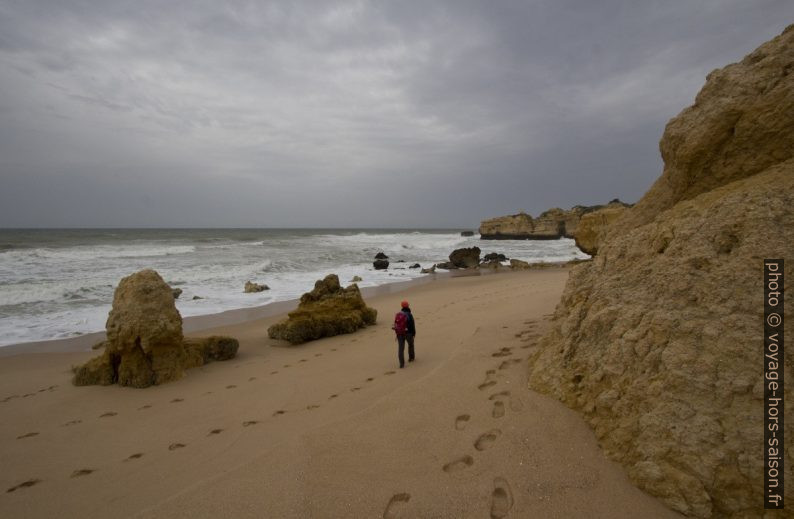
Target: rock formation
x=381, y=255
x=549, y=225
x=518, y=264
x=593, y=227
x=380, y=264
x=494, y=256
x=251, y=287
x=465, y=258
x=467, y=233
x=430, y=270
x=657, y=340
x=176, y=292
x=144, y=344
x=356, y=279
x=327, y=310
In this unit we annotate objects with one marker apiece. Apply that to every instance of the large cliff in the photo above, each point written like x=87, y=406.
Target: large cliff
x=658, y=341
x=549, y=225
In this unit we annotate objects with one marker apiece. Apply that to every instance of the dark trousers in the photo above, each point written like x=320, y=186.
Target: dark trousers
x=401, y=339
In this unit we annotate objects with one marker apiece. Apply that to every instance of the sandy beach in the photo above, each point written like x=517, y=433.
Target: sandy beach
x=331, y=428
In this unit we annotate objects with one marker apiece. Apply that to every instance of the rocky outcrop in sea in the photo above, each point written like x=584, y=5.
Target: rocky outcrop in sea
x=658, y=340
x=550, y=225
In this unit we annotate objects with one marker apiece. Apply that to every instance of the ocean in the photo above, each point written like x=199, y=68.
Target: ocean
x=57, y=284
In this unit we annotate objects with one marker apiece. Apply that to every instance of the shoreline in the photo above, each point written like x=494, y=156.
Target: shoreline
x=198, y=323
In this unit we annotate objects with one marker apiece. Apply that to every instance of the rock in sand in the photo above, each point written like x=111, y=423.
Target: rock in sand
x=326, y=311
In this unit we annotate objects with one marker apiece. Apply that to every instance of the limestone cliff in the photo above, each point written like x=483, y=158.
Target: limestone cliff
x=658, y=340
x=549, y=225
x=593, y=227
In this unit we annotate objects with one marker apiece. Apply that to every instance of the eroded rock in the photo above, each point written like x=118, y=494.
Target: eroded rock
x=326, y=311
x=464, y=258
x=251, y=287
x=549, y=225
x=144, y=344
x=593, y=227
x=656, y=341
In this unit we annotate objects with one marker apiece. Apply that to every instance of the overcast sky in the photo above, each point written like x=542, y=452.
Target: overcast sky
x=339, y=114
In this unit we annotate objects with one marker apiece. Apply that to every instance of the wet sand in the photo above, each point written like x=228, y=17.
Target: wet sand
x=327, y=429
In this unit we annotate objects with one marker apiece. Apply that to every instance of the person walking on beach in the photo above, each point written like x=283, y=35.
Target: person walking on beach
x=405, y=329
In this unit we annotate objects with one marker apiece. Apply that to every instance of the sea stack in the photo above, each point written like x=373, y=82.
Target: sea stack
x=145, y=345
x=658, y=340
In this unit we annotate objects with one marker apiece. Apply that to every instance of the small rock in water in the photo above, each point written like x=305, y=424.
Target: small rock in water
x=251, y=287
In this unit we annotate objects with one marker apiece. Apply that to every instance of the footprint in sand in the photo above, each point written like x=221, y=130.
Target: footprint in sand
x=318, y=354
x=251, y=379
x=175, y=446
x=459, y=464
x=486, y=440
x=6, y=399
x=501, y=499
x=108, y=414
x=177, y=400
x=137, y=455
x=273, y=372
x=485, y=385
x=355, y=389
x=313, y=406
x=461, y=421
x=370, y=379
x=147, y=406
x=216, y=431
x=286, y=365
x=498, y=409
x=280, y=411
x=24, y=484
x=333, y=349
x=28, y=435
x=504, y=352
x=81, y=472
x=332, y=396
x=231, y=386
x=304, y=360
x=250, y=423
x=499, y=395
x=390, y=373
x=73, y=422
x=396, y=503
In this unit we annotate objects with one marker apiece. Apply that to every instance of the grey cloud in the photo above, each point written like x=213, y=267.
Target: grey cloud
x=347, y=113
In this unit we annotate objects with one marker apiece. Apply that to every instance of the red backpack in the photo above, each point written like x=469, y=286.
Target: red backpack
x=400, y=323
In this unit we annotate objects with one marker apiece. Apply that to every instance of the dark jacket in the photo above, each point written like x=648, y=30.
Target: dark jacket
x=410, y=325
